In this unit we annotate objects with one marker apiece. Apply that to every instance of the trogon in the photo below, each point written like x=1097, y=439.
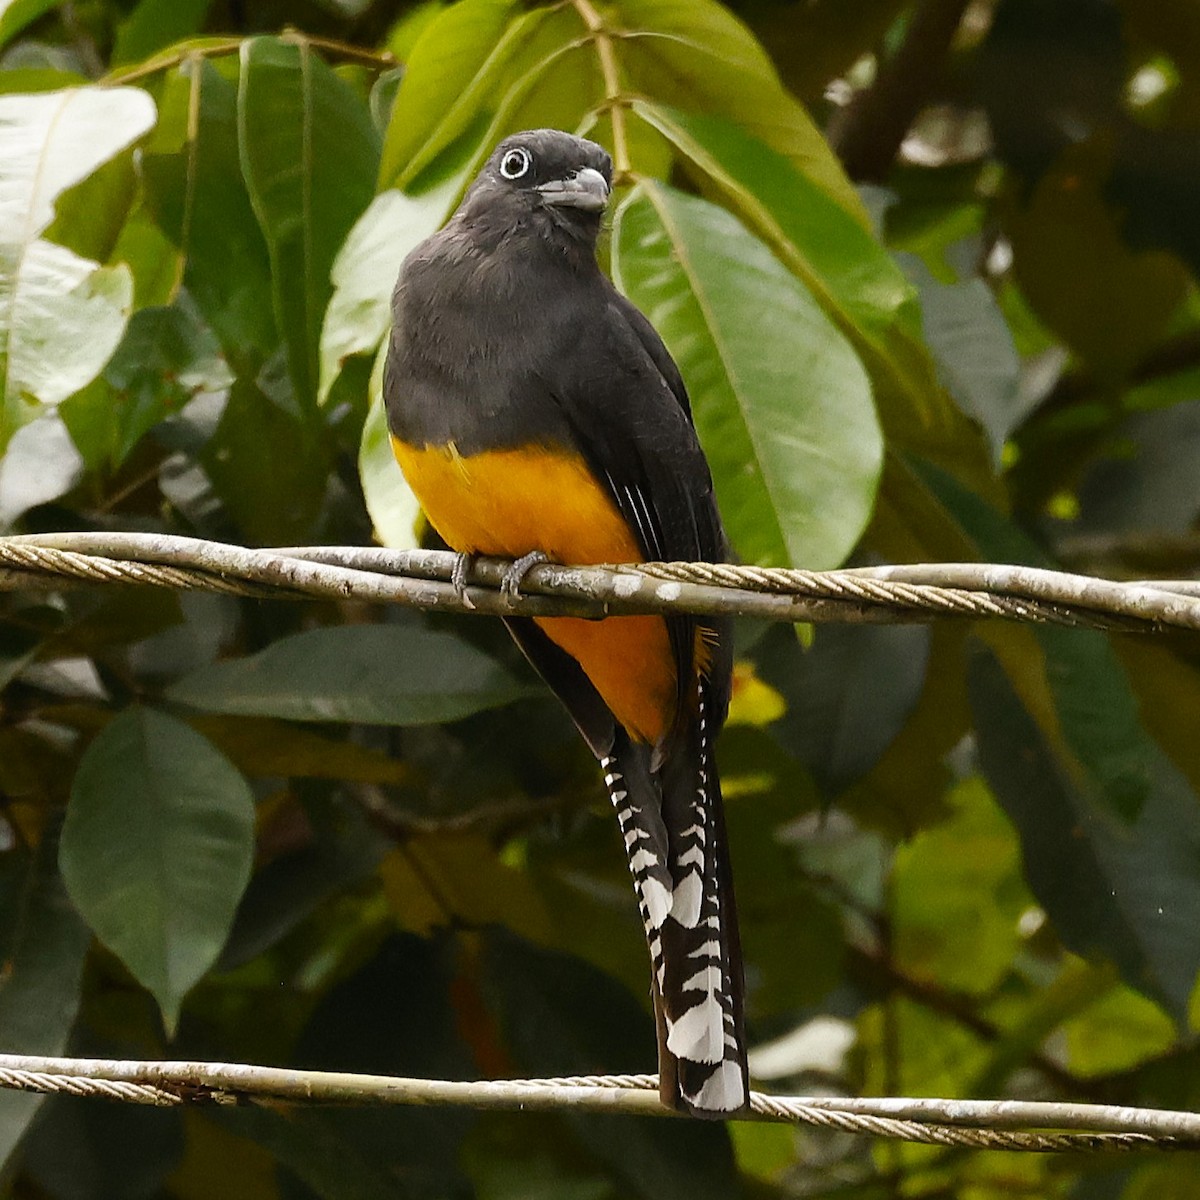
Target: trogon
x=538, y=416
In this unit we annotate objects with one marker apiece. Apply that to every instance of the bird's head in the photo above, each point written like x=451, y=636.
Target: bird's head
x=543, y=181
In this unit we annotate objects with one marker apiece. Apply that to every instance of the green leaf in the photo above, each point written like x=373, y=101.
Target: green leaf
x=364, y=272
x=816, y=236
x=394, y=509
x=957, y=896
x=89, y=217
x=274, y=497
x=157, y=849
x=452, y=73
x=974, y=349
x=194, y=188
x=1125, y=890
x=1119, y=1031
x=42, y=946
x=852, y=276
x=40, y=464
x=16, y=14
x=781, y=402
x=155, y=24
x=309, y=153
x=839, y=721
x=167, y=357
x=61, y=315
x=1099, y=717
x=374, y=674
x=697, y=56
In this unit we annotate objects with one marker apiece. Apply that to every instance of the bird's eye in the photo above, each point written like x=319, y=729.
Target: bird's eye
x=515, y=163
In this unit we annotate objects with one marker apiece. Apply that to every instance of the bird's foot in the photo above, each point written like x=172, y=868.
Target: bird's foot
x=510, y=584
x=458, y=578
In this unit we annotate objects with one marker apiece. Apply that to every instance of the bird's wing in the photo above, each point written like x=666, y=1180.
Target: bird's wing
x=628, y=411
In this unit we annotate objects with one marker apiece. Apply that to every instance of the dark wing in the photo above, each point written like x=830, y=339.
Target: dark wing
x=625, y=402
x=653, y=345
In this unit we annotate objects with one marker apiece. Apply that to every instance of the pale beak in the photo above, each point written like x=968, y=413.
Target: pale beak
x=586, y=189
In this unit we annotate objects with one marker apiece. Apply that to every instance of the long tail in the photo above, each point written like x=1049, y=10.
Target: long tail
x=674, y=830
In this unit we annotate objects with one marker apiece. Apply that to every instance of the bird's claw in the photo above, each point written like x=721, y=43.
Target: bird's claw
x=458, y=578
x=510, y=584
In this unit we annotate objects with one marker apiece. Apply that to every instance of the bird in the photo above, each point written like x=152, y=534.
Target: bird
x=538, y=416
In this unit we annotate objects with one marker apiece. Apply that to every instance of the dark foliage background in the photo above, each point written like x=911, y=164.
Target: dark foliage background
x=929, y=271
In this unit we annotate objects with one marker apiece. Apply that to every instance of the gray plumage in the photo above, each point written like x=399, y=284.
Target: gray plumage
x=507, y=335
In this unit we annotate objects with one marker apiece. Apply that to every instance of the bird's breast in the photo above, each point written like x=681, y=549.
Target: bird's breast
x=509, y=502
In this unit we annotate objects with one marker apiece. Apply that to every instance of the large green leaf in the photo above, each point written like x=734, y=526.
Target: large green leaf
x=42, y=946
x=452, y=75
x=157, y=848
x=309, y=153
x=61, y=315
x=375, y=674
x=823, y=243
x=857, y=282
x=1127, y=889
x=698, y=56
x=194, y=188
x=781, y=402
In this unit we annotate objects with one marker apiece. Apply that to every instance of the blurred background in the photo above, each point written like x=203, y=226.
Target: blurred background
x=929, y=272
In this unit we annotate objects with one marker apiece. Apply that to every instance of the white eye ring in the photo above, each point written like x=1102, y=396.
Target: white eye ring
x=515, y=163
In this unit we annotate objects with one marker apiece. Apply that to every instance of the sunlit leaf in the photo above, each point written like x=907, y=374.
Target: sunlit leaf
x=451, y=74
x=60, y=315
x=958, y=896
x=696, y=55
x=781, y=402
x=40, y=464
x=390, y=501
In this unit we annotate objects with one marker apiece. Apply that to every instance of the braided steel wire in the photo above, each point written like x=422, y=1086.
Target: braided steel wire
x=990, y=1125
x=422, y=578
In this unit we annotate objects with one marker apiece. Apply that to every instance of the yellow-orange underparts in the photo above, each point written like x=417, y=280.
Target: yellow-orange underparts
x=510, y=502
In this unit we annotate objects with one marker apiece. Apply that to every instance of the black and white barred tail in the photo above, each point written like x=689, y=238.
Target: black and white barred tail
x=673, y=826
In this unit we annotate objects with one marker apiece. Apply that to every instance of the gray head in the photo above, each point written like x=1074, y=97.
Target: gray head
x=543, y=181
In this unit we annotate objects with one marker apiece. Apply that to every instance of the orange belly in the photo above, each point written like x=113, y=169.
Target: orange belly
x=509, y=502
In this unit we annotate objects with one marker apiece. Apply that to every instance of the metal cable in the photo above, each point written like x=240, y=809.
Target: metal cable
x=969, y=1124
x=422, y=578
